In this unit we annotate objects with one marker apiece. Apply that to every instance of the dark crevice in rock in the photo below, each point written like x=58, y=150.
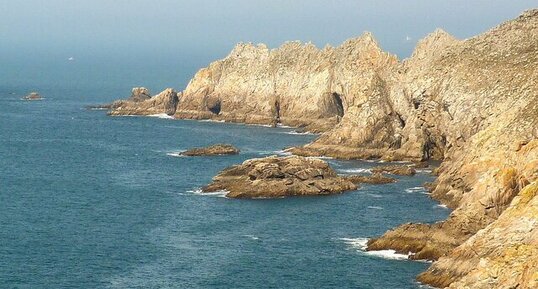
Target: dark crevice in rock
x=339, y=104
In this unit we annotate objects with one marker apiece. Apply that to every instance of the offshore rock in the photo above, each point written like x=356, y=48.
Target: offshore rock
x=33, y=96
x=274, y=177
x=217, y=149
x=139, y=103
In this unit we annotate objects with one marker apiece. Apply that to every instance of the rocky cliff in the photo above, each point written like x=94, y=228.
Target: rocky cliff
x=472, y=103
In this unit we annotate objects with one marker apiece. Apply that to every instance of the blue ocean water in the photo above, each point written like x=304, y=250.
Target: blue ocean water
x=91, y=201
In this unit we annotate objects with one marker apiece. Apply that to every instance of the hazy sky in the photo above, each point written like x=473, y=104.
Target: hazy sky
x=210, y=28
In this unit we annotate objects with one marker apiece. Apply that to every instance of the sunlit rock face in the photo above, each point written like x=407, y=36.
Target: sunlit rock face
x=472, y=103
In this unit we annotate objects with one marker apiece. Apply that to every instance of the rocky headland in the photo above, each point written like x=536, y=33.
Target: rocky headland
x=212, y=150
x=275, y=177
x=473, y=104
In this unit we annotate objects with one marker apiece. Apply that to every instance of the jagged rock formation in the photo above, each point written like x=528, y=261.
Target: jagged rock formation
x=274, y=177
x=139, y=94
x=295, y=84
x=472, y=103
x=141, y=104
x=213, y=150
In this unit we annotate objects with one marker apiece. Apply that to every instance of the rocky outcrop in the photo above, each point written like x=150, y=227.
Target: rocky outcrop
x=141, y=104
x=213, y=150
x=274, y=177
x=295, y=84
x=375, y=178
x=139, y=94
x=395, y=170
x=33, y=96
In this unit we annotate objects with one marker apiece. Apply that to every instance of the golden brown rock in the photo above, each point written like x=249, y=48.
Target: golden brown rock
x=395, y=170
x=274, y=177
x=375, y=178
x=138, y=104
x=216, y=149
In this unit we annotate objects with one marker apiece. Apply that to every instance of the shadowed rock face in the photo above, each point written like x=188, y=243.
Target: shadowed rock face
x=275, y=177
x=217, y=149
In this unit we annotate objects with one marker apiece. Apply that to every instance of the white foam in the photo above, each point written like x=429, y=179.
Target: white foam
x=161, y=115
x=212, y=120
x=283, y=126
x=442, y=206
x=375, y=207
x=424, y=171
x=175, y=154
x=251, y=237
x=375, y=195
x=420, y=190
x=361, y=245
x=220, y=194
x=282, y=153
x=355, y=171
x=321, y=158
x=293, y=132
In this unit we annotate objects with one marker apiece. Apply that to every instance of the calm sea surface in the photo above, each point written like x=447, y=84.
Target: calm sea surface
x=92, y=201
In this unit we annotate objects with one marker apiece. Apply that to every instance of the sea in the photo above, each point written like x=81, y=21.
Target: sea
x=93, y=201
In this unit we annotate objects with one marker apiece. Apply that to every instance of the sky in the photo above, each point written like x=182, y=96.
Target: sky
x=208, y=29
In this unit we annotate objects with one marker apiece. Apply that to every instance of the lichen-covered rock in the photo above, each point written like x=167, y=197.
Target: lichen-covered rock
x=274, y=177
x=217, y=149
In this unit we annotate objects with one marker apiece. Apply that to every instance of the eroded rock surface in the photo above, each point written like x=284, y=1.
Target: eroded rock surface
x=217, y=149
x=274, y=177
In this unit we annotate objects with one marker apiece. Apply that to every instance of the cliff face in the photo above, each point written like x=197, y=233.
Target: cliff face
x=295, y=84
x=472, y=103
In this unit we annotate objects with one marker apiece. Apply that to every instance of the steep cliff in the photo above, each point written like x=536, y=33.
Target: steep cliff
x=295, y=84
x=472, y=103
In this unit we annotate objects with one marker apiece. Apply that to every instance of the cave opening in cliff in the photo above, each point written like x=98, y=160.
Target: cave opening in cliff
x=215, y=107
x=339, y=104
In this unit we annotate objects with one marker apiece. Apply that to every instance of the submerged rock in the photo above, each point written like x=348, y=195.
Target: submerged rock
x=274, y=177
x=33, y=96
x=217, y=149
x=376, y=178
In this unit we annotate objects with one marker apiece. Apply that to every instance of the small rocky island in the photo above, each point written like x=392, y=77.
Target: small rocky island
x=213, y=150
x=275, y=177
x=33, y=96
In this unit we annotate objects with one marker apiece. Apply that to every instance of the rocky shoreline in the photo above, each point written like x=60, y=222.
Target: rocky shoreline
x=472, y=104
